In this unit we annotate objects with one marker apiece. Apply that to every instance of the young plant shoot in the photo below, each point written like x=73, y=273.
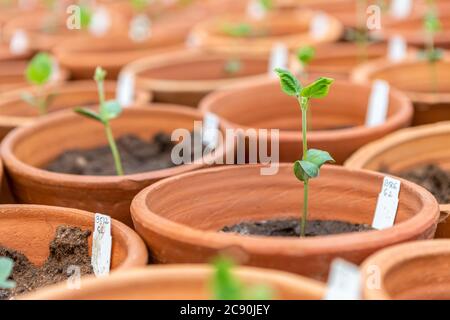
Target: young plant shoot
x=6, y=268
x=432, y=25
x=227, y=287
x=108, y=111
x=312, y=160
x=38, y=73
x=305, y=55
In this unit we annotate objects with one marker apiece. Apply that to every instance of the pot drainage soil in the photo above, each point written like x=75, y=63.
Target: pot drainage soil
x=137, y=156
x=68, y=248
x=291, y=228
x=431, y=177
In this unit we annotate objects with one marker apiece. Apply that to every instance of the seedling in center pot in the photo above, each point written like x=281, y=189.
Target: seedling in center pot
x=38, y=73
x=305, y=55
x=312, y=160
x=108, y=111
x=6, y=268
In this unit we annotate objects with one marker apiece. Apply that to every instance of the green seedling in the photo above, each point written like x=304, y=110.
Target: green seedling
x=6, y=268
x=312, y=160
x=227, y=287
x=305, y=55
x=38, y=73
x=108, y=111
x=233, y=66
x=85, y=16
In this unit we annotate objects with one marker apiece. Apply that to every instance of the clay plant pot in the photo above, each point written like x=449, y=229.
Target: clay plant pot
x=185, y=77
x=291, y=28
x=15, y=112
x=30, y=228
x=337, y=123
x=427, y=85
x=410, y=271
x=26, y=150
x=179, y=230
x=407, y=149
x=179, y=282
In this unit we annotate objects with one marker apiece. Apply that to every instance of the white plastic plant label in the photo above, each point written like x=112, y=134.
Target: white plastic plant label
x=344, y=281
x=387, y=204
x=378, y=104
x=279, y=57
x=319, y=25
x=140, y=28
x=56, y=70
x=19, y=42
x=125, y=88
x=401, y=9
x=101, y=22
x=101, y=245
x=255, y=10
x=193, y=41
x=210, y=130
x=397, y=48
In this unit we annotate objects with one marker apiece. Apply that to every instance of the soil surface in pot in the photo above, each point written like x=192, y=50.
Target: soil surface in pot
x=137, y=156
x=68, y=248
x=291, y=228
x=431, y=177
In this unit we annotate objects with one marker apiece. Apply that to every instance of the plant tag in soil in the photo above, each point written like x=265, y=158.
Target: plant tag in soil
x=19, y=42
x=255, y=10
x=100, y=23
x=125, y=89
x=278, y=58
x=397, y=48
x=344, y=281
x=101, y=245
x=210, y=130
x=140, y=28
x=378, y=104
x=401, y=9
x=387, y=204
x=319, y=26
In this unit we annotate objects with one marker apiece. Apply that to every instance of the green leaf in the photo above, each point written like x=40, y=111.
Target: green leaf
x=225, y=285
x=100, y=74
x=85, y=16
x=39, y=69
x=306, y=54
x=310, y=166
x=318, y=157
x=110, y=110
x=289, y=83
x=6, y=268
x=317, y=89
x=88, y=113
x=432, y=24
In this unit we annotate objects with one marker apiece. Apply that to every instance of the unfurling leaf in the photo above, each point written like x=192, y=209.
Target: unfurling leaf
x=110, y=110
x=289, y=83
x=100, y=74
x=39, y=69
x=317, y=89
x=310, y=165
x=6, y=268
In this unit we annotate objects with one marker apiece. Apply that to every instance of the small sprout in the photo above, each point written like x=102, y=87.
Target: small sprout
x=38, y=73
x=85, y=17
x=312, y=160
x=6, y=268
x=108, y=111
x=432, y=25
x=305, y=55
x=227, y=287
x=237, y=30
x=233, y=66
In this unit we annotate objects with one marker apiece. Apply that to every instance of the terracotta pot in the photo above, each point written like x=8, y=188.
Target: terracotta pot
x=264, y=106
x=292, y=28
x=175, y=282
x=6, y=54
x=24, y=156
x=185, y=77
x=14, y=111
x=30, y=229
x=407, y=149
x=410, y=271
x=179, y=230
x=425, y=85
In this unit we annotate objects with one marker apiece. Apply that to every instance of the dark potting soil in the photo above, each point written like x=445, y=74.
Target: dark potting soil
x=431, y=177
x=68, y=248
x=137, y=156
x=291, y=228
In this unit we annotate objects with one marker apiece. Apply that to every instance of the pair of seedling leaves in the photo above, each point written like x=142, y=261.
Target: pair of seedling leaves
x=313, y=160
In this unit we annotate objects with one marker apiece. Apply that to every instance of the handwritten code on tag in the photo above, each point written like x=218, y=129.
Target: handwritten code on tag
x=387, y=204
x=101, y=245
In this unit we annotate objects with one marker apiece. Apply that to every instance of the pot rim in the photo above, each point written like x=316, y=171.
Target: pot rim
x=404, y=113
x=389, y=258
x=142, y=215
x=136, y=249
x=12, y=163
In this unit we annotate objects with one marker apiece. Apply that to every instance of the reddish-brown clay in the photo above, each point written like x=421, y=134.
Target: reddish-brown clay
x=291, y=28
x=427, y=85
x=26, y=150
x=185, y=77
x=262, y=105
x=180, y=230
x=410, y=271
x=406, y=149
x=14, y=111
x=30, y=229
x=180, y=282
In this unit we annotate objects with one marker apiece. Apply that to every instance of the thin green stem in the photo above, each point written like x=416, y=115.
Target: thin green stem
x=304, y=103
x=114, y=150
x=41, y=101
x=305, y=208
